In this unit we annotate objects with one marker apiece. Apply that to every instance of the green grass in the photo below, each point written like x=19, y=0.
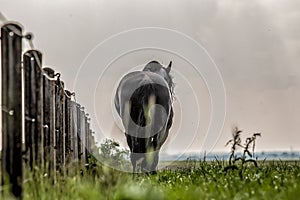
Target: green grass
x=192, y=180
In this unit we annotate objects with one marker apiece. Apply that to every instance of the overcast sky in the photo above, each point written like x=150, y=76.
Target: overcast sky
x=255, y=45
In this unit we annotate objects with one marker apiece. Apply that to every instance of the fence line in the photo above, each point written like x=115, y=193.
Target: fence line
x=57, y=129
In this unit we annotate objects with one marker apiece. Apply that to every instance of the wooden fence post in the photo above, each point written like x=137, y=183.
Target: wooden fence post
x=68, y=126
x=74, y=135
x=88, y=142
x=93, y=149
x=33, y=107
x=79, y=139
x=87, y=137
x=60, y=124
x=83, y=134
x=49, y=121
x=11, y=49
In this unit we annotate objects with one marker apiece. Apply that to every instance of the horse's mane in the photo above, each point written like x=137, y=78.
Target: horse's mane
x=172, y=86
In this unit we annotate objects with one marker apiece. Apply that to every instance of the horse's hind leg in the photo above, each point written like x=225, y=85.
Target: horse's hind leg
x=133, y=162
x=133, y=168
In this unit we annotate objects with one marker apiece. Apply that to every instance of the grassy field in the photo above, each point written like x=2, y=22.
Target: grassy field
x=185, y=180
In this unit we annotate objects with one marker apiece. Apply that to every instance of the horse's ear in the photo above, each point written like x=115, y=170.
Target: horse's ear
x=169, y=67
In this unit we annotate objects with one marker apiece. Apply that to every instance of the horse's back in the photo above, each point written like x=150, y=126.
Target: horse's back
x=139, y=83
x=135, y=96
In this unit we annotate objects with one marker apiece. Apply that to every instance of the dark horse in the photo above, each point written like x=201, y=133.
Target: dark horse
x=143, y=100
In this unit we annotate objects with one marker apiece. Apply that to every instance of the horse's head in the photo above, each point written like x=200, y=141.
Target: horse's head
x=157, y=68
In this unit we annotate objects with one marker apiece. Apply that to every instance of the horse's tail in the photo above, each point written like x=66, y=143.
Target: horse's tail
x=144, y=115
